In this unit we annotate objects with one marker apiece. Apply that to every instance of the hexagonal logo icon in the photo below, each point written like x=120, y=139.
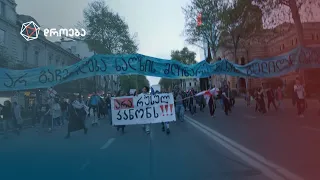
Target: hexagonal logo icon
x=30, y=31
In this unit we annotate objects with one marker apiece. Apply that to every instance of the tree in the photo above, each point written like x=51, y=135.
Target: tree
x=276, y=8
x=239, y=21
x=208, y=31
x=168, y=83
x=107, y=32
x=132, y=81
x=184, y=56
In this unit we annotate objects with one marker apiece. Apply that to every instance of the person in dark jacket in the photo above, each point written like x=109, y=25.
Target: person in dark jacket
x=119, y=94
x=212, y=106
x=76, y=112
x=6, y=112
x=226, y=103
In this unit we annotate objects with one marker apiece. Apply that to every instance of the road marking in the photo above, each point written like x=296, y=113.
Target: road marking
x=108, y=143
x=311, y=128
x=247, y=155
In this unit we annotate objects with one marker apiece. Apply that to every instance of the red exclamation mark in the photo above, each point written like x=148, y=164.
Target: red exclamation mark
x=161, y=107
x=166, y=106
x=171, y=106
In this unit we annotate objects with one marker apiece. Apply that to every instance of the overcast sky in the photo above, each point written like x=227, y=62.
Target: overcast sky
x=159, y=24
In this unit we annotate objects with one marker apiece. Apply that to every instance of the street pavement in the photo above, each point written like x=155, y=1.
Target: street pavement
x=185, y=154
x=280, y=138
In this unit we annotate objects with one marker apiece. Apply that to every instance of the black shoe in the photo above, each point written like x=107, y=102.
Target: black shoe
x=163, y=129
x=86, y=131
x=122, y=130
x=118, y=128
x=168, y=131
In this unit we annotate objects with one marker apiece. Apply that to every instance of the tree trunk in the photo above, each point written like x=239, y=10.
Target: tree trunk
x=298, y=25
x=297, y=21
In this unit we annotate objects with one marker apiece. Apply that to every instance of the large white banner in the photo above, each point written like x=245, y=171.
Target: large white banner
x=143, y=109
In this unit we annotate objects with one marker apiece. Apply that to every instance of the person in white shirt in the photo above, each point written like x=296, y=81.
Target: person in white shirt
x=300, y=97
x=56, y=112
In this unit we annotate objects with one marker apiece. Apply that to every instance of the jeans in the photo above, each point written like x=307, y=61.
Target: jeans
x=180, y=112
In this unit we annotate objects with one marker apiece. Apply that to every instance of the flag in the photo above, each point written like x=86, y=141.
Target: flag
x=199, y=19
x=152, y=91
x=51, y=92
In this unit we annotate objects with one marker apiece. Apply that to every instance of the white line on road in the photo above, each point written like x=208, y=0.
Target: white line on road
x=311, y=128
x=108, y=143
x=247, y=155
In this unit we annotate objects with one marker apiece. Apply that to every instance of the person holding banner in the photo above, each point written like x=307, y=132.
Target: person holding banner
x=119, y=94
x=146, y=127
x=76, y=122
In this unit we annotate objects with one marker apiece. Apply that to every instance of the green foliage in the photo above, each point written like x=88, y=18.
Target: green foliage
x=107, y=32
x=307, y=7
x=209, y=31
x=185, y=56
x=239, y=20
x=276, y=13
x=132, y=81
x=168, y=83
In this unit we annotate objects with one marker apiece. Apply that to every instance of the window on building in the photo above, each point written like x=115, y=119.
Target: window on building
x=50, y=59
x=25, y=54
x=190, y=84
x=296, y=40
x=57, y=61
x=36, y=58
x=292, y=42
x=195, y=83
x=2, y=37
x=312, y=37
x=242, y=61
x=282, y=46
x=2, y=9
x=63, y=63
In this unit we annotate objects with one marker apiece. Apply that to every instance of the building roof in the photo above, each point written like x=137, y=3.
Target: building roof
x=25, y=18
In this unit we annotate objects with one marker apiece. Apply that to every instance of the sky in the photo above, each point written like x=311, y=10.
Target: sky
x=158, y=24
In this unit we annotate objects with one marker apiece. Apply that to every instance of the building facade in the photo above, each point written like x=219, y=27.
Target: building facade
x=275, y=42
x=27, y=54
x=81, y=49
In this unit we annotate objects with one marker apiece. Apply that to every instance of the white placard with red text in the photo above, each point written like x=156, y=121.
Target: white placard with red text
x=143, y=109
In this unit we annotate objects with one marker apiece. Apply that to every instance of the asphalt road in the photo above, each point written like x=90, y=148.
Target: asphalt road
x=280, y=137
x=185, y=154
